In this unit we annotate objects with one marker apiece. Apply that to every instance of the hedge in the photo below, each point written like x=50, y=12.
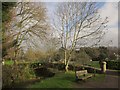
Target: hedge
x=115, y=65
x=59, y=66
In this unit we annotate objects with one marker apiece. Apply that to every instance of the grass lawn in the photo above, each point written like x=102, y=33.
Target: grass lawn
x=98, y=78
x=94, y=64
x=9, y=62
x=62, y=80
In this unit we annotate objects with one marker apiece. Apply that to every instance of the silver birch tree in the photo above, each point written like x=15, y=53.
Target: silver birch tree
x=78, y=24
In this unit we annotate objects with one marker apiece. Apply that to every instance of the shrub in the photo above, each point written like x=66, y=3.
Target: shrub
x=43, y=72
x=61, y=66
x=102, y=56
x=35, y=65
x=13, y=74
x=115, y=65
x=7, y=75
x=71, y=67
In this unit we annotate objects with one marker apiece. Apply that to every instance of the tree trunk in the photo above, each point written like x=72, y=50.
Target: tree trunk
x=66, y=68
x=65, y=59
x=67, y=64
x=15, y=55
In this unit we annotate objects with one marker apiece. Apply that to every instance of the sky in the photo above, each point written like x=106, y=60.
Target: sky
x=110, y=9
x=107, y=9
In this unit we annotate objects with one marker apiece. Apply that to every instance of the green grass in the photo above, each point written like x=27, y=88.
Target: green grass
x=9, y=62
x=61, y=80
x=98, y=77
x=94, y=64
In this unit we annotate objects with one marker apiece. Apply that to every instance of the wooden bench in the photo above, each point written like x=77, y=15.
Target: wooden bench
x=82, y=75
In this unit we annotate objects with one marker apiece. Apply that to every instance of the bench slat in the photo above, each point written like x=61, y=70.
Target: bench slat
x=82, y=72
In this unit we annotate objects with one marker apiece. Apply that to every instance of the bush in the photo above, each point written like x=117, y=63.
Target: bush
x=61, y=67
x=115, y=65
x=71, y=67
x=43, y=72
x=35, y=65
x=13, y=74
x=7, y=75
x=102, y=56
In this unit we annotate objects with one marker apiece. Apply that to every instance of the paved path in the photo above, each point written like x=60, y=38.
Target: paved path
x=110, y=81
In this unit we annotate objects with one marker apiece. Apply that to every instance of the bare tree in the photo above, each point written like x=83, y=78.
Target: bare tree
x=28, y=24
x=78, y=24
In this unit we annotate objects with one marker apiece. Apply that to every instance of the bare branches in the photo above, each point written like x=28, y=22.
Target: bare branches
x=29, y=18
x=77, y=22
x=28, y=23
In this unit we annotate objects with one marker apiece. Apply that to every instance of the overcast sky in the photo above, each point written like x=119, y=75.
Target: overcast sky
x=109, y=9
